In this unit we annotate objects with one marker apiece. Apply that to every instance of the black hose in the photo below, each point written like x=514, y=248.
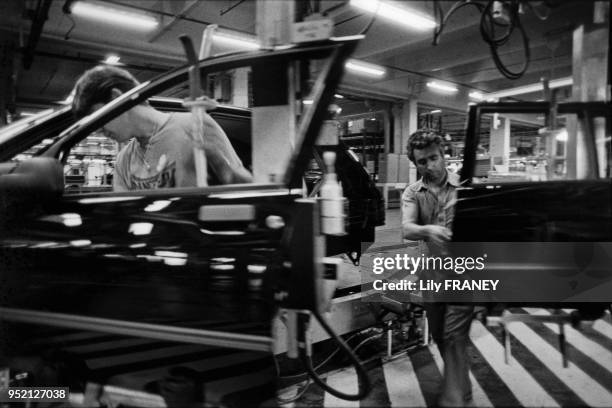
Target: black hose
x=444, y=18
x=487, y=31
x=365, y=385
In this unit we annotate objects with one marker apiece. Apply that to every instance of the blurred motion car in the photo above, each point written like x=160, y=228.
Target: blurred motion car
x=545, y=225
x=163, y=296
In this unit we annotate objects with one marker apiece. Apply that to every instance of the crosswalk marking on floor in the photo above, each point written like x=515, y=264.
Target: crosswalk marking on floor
x=576, y=379
x=535, y=376
x=524, y=387
x=344, y=381
x=108, y=345
x=603, y=327
x=168, y=351
x=479, y=397
x=581, y=342
x=402, y=384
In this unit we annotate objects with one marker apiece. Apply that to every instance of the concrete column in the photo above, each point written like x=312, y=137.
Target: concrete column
x=405, y=122
x=499, y=144
x=240, y=87
x=590, y=74
x=274, y=110
x=396, y=140
x=274, y=20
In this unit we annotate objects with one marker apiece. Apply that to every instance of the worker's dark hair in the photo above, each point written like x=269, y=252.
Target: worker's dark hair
x=422, y=139
x=95, y=86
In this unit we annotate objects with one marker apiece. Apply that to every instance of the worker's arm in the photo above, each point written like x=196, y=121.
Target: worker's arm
x=221, y=156
x=411, y=230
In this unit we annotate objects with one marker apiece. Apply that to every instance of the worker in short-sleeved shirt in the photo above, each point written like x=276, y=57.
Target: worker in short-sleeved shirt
x=427, y=216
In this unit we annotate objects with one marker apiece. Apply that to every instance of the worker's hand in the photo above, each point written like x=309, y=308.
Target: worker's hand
x=438, y=234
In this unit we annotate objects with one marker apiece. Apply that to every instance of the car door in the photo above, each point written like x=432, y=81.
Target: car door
x=543, y=228
x=145, y=290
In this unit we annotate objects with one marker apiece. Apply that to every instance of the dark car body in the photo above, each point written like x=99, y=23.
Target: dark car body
x=167, y=295
x=551, y=235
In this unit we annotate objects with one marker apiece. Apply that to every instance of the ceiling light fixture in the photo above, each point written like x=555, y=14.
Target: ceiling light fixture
x=236, y=41
x=114, y=16
x=561, y=136
x=477, y=95
x=402, y=15
x=112, y=59
x=435, y=111
x=521, y=90
x=442, y=87
x=364, y=68
x=338, y=96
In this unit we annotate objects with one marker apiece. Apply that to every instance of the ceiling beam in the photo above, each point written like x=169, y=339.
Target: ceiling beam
x=485, y=70
x=177, y=17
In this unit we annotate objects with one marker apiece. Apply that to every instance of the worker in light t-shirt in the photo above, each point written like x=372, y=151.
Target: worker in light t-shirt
x=159, y=150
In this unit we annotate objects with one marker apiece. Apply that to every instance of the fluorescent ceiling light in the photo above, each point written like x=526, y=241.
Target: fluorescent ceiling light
x=436, y=111
x=561, y=135
x=401, y=15
x=441, y=87
x=477, y=95
x=236, y=41
x=338, y=96
x=140, y=228
x=307, y=101
x=520, y=90
x=112, y=59
x=365, y=68
x=114, y=16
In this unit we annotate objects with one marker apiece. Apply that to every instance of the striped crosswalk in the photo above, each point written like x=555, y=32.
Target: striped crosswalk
x=534, y=377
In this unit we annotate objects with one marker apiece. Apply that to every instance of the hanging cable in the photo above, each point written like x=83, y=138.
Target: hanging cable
x=443, y=18
x=487, y=30
x=333, y=353
x=305, y=355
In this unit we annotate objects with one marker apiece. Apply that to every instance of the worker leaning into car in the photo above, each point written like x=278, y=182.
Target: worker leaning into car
x=427, y=213
x=159, y=150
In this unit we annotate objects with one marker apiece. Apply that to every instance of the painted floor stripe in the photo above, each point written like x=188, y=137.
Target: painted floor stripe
x=74, y=336
x=577, y=380
x=590, y=348
x=603, y=327
x=109, y=345
x=428, y=375
x=402, y=385
x=553, y=385
x=493, y=385
x=105, y=362
x=216, y=390
x=344, y=381
x=137, y=379
x=379, y=396
x=524, y=387
x=479, y=399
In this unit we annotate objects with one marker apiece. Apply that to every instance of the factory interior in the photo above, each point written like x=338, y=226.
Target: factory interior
x=234, y=203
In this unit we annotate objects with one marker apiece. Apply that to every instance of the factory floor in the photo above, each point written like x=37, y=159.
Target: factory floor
x=533, y=377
